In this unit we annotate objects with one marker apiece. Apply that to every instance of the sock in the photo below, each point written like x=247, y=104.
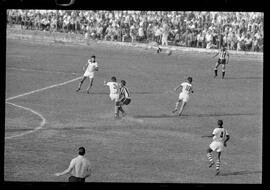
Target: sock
x=116, y=110
x=121, y=109
x=176, y=105
x=209, y=156
x=80, y=84
x=215, y=72
x=223, y=74
x=217, y=165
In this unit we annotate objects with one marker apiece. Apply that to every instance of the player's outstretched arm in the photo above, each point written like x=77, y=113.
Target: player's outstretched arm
x=227, y=138
x=176, y=88
x=207, y=135
x=228, y=58
x=85, y=66
x=215, y=55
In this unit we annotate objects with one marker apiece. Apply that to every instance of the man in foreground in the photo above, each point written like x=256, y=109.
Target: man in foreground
x=79, y=167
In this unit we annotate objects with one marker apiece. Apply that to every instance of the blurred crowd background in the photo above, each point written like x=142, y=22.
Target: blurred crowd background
x=241, y=31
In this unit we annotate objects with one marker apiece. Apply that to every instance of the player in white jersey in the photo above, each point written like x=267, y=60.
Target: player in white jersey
x=220, y=138
x=221, y=60
x=184, y=95
x=114, y=94
x=91, y=67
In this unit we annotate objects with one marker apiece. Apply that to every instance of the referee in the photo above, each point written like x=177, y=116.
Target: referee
x=79, y=168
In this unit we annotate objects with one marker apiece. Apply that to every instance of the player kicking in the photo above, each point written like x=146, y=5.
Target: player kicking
x=220, y=138
x=184, y=95
x=91, y=67
x=124, y=98
x=114, y=94
x=221, y=60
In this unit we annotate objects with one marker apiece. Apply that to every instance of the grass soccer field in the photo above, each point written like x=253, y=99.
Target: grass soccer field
x=46, y=120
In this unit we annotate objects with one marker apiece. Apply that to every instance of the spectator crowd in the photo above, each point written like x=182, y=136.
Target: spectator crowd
x=241, y=31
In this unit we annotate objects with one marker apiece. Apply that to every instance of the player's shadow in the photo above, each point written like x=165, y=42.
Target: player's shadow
x=240, y=173
x=194, y=115
x=93, y=92
x=255, y=78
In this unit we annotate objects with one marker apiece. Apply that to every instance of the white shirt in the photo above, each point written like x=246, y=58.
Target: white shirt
x=219, y=134
x=80, y=166
x=91, y=66
x=114, y=87
x=186, y=87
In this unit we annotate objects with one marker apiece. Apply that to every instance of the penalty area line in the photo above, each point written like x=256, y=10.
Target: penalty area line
x=41, y=89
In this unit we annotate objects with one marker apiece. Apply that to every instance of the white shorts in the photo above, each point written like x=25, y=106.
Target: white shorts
x=114, y=97
x=217, y=146
x=184, y=97
x=89, y=74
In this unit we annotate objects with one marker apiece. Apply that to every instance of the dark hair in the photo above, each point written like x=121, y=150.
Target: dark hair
x=81, y=151
x=123, y=82
x=220, y=123
x=113, y=78
x=93, y=56
x=189, y=79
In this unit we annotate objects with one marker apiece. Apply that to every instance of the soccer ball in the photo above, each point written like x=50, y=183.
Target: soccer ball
x=169, y=52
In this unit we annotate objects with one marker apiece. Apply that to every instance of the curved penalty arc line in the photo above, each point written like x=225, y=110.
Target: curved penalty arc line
x=33, y=111
x=43, y=122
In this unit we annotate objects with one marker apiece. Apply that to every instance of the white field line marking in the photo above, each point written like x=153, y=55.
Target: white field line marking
x=31, y=131
x=41, y=71
x=33, y=111
x=41, y=89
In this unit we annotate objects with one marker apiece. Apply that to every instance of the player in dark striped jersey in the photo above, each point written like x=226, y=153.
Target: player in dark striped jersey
x=124, y=98
x=221, y=60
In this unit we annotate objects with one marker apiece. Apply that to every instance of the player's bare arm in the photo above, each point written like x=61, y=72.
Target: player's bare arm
x=208, y=135
x=85, y=66
x=215, y=55
x=177, y=87
x=227, y=138
x=228, y=57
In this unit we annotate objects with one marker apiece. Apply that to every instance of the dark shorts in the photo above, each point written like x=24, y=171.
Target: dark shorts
x=125, y=101
x=76, y=179
x=222, y=61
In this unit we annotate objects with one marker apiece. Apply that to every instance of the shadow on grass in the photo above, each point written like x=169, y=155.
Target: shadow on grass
x=194, y=115
x=240, y=173
x=256, y=78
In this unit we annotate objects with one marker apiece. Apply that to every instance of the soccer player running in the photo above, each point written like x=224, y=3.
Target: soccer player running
x=220, y=138
x=114, y=94
x=221, y=60
x=124, y=98
x=91, y=67
x=184, y=95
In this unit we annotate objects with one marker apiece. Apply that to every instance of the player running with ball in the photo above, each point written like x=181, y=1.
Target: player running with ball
x=91, y=67
x=114, y=94
x=220, y=138
x=184, y=95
